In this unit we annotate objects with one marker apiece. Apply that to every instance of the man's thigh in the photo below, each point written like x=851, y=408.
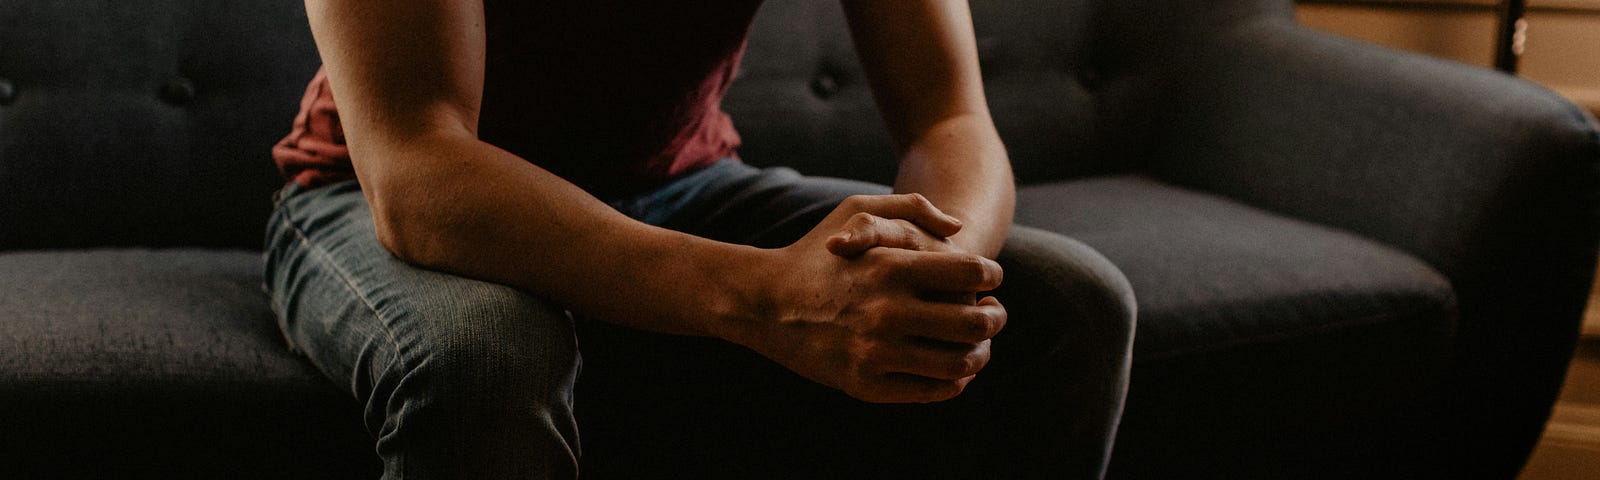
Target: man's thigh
x=454, y=374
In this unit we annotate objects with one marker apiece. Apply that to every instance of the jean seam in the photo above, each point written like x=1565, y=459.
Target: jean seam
x=345, y=278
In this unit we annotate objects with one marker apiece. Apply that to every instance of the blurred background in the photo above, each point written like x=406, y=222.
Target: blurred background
x=1561, y=45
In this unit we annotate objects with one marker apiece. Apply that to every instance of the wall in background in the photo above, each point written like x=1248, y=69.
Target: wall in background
x=1562, y=49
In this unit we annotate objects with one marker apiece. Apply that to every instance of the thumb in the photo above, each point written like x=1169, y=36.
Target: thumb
x=850, y=242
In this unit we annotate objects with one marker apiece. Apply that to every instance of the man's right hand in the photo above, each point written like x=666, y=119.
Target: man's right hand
x=870, y=323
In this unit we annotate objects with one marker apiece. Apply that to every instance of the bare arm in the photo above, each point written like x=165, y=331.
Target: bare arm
x=408, y=75
x=923, y=65
x=409, y=78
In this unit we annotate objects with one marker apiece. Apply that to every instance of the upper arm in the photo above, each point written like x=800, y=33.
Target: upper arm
x=921, y=59
x=401, y=69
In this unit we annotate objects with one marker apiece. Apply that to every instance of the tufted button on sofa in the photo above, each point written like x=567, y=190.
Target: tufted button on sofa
x=8, y=92
x=1350, y=262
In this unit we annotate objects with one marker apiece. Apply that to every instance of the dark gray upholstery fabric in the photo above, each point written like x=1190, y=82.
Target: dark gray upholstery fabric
x=1213, y=274
x=145, y=123
x=159, y=364
x=1256, y=332
x=1491, y=180
x=1059, y=97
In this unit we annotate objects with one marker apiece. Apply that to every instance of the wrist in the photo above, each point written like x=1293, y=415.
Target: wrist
x=741, y=297
x=985, y=240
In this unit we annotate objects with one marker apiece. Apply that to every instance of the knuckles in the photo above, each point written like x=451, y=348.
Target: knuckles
x=983, y=324
x=862, y=220
x=968, y=365
x=870, y=203
x=941, y=391
x=984, y=273
x=856, y=203
x=880, y=267
x=920, y=202
x=876, y=318
x=992, y=320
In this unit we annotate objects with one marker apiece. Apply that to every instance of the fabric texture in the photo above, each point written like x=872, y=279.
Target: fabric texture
x=1490, y=180
x=1214, y=274
x=457, y=378
x=314, y=153
x=145, y=124
x=158, y=364
x=459, y=375
x=1286, y=333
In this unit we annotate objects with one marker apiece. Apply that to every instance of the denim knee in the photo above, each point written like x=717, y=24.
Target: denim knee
x=481, y=384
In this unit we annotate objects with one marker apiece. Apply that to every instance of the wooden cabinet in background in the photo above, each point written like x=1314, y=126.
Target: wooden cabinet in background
x=1562, y=49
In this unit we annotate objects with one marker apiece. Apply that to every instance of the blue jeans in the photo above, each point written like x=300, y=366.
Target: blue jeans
x=461, y=378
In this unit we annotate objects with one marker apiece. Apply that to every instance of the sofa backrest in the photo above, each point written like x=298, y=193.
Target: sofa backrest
x=150, y=123
x=144, y=122
x=1076, y=87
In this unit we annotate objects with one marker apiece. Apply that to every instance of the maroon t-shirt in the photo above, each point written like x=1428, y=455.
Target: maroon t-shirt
x=616, y=96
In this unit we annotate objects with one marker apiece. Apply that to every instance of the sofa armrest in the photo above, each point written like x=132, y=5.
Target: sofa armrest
x=1489, y=178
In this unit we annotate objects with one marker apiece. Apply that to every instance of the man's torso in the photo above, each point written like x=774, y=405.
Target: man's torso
x=615, y=95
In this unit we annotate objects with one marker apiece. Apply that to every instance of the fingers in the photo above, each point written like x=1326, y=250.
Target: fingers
x=908, y=388
x=945, y=322
x=928, y=352
x=911, y=207
x=939, y=361
x=939, y=271
x=926, y=372
x=864, y=231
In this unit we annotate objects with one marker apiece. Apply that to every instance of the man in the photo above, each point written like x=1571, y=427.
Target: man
x=492, y=165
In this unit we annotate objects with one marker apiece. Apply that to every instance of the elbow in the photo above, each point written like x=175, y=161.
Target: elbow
x=416, y=217
x=407, y=235
x=397, y=242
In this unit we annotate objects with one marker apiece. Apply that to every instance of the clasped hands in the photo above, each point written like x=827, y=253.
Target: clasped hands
x=877, y=302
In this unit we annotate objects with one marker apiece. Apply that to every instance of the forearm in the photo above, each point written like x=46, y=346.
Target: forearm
x=961, y=166
x=409, y=79
x=922, y=61
x=468, y=208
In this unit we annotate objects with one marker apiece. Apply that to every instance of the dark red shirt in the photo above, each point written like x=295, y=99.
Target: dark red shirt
x=616, y=96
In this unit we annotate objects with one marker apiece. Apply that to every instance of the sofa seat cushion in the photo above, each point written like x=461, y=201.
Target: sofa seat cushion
x=1212, y=274
x=160, y=364
x=1255, y=329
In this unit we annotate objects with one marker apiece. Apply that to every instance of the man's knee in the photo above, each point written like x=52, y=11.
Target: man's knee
x=1067, y=284
x=482, y=380
x=484, y=344
x=1077, y=314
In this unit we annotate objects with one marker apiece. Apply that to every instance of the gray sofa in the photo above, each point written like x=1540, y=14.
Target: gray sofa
x=1350, y=262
